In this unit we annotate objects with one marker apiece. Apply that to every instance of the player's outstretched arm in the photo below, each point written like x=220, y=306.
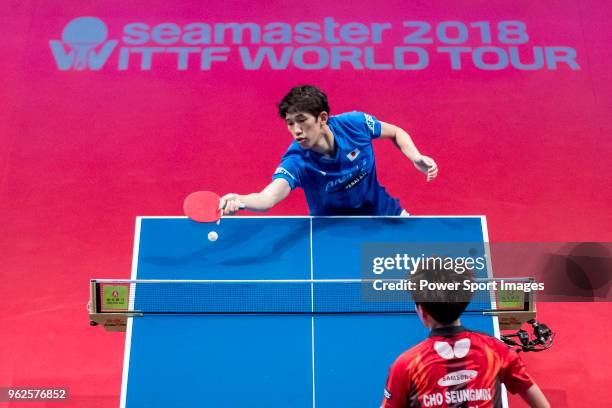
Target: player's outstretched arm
x=403, y=141
x=267, y=198
x=535, y=398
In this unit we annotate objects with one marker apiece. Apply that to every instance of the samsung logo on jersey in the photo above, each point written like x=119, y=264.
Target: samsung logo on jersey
x=457, y=377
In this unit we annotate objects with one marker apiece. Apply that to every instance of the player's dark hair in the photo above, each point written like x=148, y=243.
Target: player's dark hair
x=305, y=98
x=444, y=306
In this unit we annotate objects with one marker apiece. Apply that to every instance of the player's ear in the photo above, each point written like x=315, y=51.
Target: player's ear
x=324, y=117
x=422, y=314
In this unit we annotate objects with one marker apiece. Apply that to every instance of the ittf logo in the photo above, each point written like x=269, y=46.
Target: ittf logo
x=79, y=48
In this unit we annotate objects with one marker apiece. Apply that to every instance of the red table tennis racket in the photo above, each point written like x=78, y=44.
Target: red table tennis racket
x=203, y=206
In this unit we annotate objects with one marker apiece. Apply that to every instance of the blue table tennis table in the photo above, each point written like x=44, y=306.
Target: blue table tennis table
x=282, y=360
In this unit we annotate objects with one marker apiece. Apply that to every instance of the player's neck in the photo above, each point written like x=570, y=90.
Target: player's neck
x=436, y=325
x=326, y=144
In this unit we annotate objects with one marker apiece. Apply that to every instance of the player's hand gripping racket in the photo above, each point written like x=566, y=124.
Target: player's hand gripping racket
x=203, y=206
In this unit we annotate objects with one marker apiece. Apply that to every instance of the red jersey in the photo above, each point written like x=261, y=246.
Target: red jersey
x=455, y=367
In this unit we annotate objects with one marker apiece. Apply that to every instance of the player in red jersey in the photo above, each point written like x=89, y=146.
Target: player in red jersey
x=455, y=367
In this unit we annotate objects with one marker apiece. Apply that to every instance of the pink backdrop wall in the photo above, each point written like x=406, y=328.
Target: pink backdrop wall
x=83, y=152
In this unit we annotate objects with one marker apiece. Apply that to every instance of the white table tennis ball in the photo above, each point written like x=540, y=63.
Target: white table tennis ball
x=212, y=236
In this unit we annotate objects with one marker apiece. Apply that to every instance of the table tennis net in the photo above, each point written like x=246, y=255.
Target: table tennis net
x=291, y=296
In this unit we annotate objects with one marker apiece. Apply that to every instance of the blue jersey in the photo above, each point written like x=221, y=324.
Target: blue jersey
x=346, y=183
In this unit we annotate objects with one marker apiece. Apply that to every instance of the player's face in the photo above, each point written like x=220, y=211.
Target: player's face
x=305, y=128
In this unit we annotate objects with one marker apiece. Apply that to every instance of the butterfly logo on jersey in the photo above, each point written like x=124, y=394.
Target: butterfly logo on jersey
x=460, y=350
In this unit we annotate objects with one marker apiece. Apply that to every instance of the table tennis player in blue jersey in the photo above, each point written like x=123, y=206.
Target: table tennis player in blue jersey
x=332, y=159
